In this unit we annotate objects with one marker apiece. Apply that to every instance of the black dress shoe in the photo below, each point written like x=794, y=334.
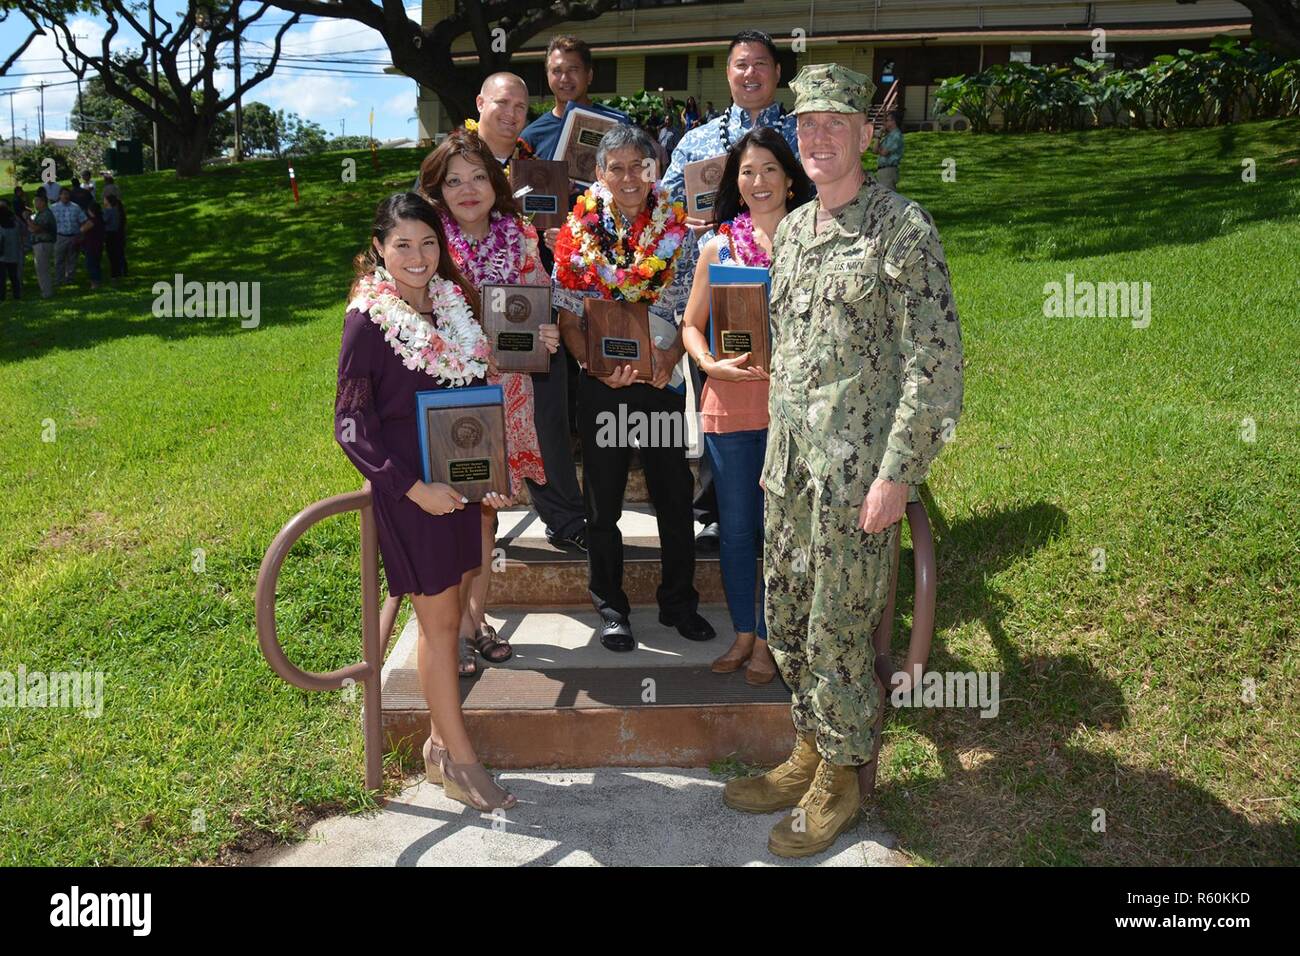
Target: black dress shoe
x=692, y=627
x=709, y=538
x=569, y=542
x=616, y=635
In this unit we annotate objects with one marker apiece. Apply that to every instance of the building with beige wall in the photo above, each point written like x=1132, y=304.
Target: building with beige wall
x=680, y=46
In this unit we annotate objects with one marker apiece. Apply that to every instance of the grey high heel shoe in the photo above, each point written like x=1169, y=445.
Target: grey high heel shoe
x=433, y=758
x=472, y=785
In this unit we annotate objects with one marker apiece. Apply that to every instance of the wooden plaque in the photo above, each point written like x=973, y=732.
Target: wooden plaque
x=701, y=180
x=464, y=445
x=582, y=133
x=740, y=323
x=547, y=199
x=511, y=316
x=618, y=333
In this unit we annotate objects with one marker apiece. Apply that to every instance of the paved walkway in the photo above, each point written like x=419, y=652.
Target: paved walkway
x=613, y=817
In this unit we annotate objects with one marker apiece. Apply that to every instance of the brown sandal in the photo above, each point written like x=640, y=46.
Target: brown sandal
x=486, y=642
x=734, y=659
x=472, y=785
x=756, y=675
x=433, y=758
x=467, y=665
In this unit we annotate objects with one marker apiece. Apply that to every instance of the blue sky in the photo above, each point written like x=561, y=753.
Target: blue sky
x=312, y=82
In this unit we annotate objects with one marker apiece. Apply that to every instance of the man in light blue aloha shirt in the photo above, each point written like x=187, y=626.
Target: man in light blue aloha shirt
x=753, y=73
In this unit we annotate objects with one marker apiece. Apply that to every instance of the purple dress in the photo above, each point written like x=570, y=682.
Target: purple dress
x=423, y=553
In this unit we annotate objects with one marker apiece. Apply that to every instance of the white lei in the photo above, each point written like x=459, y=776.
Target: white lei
x=452, y=348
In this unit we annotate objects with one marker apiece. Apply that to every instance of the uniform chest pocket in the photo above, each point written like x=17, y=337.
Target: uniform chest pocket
x=849, y=281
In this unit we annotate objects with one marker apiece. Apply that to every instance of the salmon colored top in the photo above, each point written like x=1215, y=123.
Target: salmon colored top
x=732, y=406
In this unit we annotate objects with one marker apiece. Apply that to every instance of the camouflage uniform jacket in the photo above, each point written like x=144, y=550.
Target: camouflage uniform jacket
x=867, y=357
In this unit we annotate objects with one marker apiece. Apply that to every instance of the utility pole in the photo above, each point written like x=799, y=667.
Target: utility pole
x=13, y=132
x=239, y=100
x=40, y=121
x=153, y=49
x=343, y=128
x=81, y=108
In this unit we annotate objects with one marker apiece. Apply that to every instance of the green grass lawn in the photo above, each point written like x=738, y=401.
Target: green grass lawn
x=1123, y=689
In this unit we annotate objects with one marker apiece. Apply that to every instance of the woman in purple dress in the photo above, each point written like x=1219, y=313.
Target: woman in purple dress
x=411, y=327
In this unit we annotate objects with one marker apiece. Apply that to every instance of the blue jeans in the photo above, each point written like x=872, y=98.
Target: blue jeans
x=737, y=460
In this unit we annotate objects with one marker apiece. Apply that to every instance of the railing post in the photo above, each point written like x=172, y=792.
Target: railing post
x=371, y=644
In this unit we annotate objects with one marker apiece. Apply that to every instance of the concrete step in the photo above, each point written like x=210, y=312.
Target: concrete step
x=535, y=574
x=564, y=700
x=636, y=492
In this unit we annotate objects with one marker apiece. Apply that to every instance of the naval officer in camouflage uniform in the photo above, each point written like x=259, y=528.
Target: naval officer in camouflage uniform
x=866, y=383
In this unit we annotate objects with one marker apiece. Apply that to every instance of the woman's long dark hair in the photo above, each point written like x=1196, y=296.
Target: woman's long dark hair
x=469, y=146
x=727, y=203
x=388, y=214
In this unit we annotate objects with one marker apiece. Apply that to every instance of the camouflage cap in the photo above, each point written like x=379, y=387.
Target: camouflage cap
x=831, y=88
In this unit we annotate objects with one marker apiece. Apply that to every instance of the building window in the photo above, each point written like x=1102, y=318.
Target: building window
x=788, y=60
x=667, y=71
x=533, y=73
x=605, y=76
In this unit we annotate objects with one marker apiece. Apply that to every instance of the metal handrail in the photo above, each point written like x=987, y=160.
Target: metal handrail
x=374, y=634
x=918, y=651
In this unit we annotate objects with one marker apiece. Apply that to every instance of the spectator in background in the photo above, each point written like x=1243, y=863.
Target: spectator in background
x=44, y=230
x=78, y=194
x=665, y=138
x=52, y=191
x=662, y=157
x=69, y=218
x=673, y=130
x=709, y=112
x=92, y=243
x=111, y=188
x=691, y=114
x=115, y=233
x=23, y=214
x=88, y=183
x=11, y=251
x=890, y=151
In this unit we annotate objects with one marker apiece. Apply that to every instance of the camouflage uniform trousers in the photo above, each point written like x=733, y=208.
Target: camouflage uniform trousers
x=827, y=584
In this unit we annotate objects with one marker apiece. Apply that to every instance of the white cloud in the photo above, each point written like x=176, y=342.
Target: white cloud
x=41, y=63
x=319, y=97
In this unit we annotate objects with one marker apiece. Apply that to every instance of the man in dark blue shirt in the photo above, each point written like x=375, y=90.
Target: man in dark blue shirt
x=559, y=502
x=569, y=73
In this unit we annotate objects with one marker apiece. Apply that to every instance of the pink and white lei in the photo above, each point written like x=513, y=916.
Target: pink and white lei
x=452, y=348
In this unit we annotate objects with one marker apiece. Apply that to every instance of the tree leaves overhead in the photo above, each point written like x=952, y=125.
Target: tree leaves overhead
x=184, y=103
x=425, y=54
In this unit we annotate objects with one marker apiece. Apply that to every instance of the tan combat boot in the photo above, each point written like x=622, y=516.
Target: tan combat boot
x=828, y=809
x=781, y=787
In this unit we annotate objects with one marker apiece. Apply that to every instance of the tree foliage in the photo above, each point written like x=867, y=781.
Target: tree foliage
x=186, y=107
x=1223, y=84
x=498, y=28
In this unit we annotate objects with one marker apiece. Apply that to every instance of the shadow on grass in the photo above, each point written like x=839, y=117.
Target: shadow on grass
x=1014, y=789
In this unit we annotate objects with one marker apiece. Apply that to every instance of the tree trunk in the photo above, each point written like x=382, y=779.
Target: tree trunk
x=191, y=146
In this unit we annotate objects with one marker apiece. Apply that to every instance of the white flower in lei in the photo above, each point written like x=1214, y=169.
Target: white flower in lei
x=452, y=348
